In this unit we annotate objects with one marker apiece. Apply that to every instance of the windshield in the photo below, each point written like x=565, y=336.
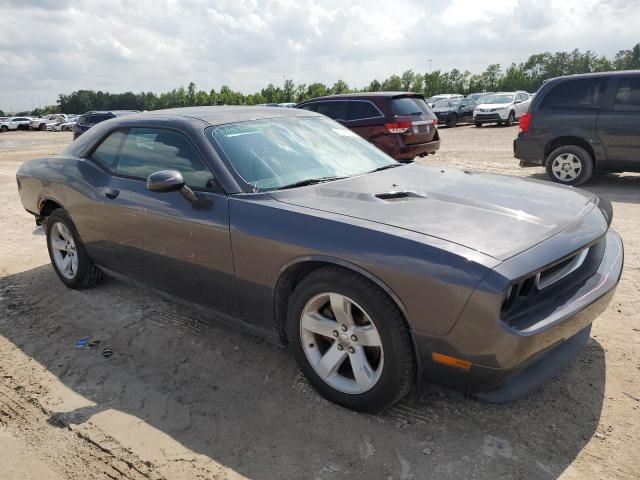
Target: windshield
x=497, y=99
x=446, y=103
x=275, y=153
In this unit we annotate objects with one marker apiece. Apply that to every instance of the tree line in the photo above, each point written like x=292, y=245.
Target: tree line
x=528, y=75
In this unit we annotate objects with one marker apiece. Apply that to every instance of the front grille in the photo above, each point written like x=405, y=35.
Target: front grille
x=528, y=297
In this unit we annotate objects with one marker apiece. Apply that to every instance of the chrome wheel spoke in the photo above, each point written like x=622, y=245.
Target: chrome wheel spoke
x=362, y=370
x=317, y=323
x=66, y=265
x=331, y=361
x=367, y=336
x=341, y=307
x=59, y=244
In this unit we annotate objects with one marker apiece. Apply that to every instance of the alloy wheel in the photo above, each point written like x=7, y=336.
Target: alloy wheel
x=63, y=249
x=341, y=343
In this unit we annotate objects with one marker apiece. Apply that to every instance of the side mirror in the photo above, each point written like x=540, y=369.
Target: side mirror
x=165, y=181
x=518, y=101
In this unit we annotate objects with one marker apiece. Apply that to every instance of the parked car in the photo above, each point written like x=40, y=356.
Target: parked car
x=501, y=107
x=431, y=101
x=374, y=272
x=63, y=127
x=41, y=123
x=399, y=123
x=287, y=104
x=89, y=119
x=15, y=123
x=477, y=96
x=581, y=124
x=451, y=112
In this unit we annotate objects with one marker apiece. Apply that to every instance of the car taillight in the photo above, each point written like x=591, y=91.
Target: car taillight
x=398, y=127
x=435, y=122
x=525, y=121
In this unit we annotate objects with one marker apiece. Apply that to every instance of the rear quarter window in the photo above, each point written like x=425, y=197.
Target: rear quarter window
x=628, y=95
x=583, y=93
x=409, y=106
x=336, y=110
x=360, y=109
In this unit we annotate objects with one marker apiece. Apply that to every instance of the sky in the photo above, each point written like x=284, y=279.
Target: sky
x=49, y=47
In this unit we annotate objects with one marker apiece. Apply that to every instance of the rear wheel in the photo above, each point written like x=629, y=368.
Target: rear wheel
x=42, y=127
x=4, y=128
x=478, y=124
x=569, y=165
x=350, y=340
x=453, y=120
x=68, y=255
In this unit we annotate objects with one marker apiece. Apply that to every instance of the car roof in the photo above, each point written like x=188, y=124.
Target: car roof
x=220, y=115
x=365, y=95
x=114, y=112
x=598, y=74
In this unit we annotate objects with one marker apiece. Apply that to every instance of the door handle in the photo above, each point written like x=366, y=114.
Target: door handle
x=111, y=193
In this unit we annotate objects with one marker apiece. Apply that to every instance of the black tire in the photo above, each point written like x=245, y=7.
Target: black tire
x=42, y=127
x=4, y=128
x=453, y=120
x=478, y=124
x=510, y=119
x=585, y=159
x=398, y=370
x=87, y=274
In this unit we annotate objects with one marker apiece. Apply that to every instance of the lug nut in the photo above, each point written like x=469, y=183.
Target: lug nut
x=354, y=338
x=352, y=350
x=340, y=347
x=335, y=333
x=344, y=328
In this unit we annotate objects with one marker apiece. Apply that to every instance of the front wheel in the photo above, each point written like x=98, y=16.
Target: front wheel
x=350, y=340
x=478, y=124
x=569, y=165
x=453, y=121
x=4, y=128
x=67, y=253
x=510, y=119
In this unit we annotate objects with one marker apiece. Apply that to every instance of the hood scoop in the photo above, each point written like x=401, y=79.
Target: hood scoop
x=396, y=196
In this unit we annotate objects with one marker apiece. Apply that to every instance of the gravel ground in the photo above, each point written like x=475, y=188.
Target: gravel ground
x=183, y=397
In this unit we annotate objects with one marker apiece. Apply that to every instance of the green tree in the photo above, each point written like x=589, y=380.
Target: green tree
x=340, y=87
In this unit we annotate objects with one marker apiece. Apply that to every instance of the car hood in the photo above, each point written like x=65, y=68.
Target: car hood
x=496, y=215
x=494, y=105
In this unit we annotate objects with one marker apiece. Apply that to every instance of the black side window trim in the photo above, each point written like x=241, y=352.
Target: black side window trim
x=351, y=101
x=89, y=156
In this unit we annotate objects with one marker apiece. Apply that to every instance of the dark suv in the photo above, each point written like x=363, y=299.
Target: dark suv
x=399, y=123
x=579, y=124
x=89, y=119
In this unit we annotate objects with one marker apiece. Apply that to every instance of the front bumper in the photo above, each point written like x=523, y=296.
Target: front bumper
x=507, y=364
x=491, y=117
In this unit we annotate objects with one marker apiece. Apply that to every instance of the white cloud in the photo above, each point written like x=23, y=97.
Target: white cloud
x=52, y=47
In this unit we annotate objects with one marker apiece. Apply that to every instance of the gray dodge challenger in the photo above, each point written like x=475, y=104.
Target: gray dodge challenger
x=377, y=275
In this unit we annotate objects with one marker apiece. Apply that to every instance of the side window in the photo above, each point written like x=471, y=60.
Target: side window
x=583, y=93
x=359, y=109
x=628, y=95
x=88, y=121
x=107, y=152
x=335, y=110
x=309, y=106
x=148, y=150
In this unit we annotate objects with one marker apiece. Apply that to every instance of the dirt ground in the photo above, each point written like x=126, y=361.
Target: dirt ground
x=183, y=397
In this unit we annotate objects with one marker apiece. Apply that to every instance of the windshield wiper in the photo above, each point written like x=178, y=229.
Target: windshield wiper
x=310, y=181
x=385, y=167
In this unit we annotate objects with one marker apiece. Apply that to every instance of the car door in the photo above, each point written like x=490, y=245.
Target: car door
x=162, y=239
x=619, y=123
x=464, y=113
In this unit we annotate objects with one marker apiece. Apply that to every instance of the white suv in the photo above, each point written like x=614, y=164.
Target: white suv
x=501, y=107
x=15, y=123
x=52, y=119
